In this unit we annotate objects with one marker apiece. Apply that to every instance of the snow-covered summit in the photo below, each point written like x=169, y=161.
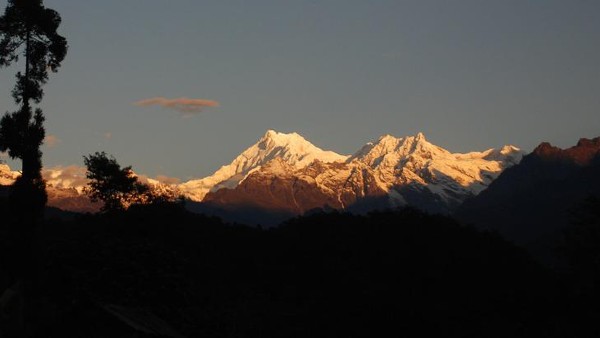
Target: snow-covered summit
x=390, y=151
x=508, y=154
x=414, y=161
x=292, y=148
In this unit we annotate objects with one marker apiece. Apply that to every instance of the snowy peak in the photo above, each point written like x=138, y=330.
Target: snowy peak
x=508, y=155
x=292, y=149
x=390, y=151
x=414, y=161
x=276, y=138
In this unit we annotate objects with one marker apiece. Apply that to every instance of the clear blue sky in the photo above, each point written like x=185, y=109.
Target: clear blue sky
x=469, y=74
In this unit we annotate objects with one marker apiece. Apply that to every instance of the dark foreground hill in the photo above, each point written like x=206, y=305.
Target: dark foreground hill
x=160, y=271
x=533, y=202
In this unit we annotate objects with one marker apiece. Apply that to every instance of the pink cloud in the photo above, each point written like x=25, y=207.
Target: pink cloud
x=184, y=105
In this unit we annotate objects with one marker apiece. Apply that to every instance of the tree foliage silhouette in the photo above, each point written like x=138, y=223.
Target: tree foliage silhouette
x=28, y=30
x=115, y=186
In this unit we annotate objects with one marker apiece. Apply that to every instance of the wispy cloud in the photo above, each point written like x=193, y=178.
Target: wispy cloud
x=51, y=141
x=186, y=106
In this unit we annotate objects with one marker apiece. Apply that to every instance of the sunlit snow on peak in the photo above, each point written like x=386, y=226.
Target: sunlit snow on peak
x=291, y=148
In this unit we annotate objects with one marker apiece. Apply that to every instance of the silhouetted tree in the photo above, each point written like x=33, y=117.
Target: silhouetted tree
x=115, y=186
x=28, y=30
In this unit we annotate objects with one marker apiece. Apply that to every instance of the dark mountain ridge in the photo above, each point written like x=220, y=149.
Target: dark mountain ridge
x=531, y=203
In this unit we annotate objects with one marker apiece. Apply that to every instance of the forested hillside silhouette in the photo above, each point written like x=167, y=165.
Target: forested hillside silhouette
x=326, y=275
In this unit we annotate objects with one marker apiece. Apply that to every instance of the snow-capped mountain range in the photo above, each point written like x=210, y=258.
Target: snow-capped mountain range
x=393, y=171
x=288, y=173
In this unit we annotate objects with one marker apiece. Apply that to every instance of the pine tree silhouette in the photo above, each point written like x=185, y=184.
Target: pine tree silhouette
x=29, y=30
